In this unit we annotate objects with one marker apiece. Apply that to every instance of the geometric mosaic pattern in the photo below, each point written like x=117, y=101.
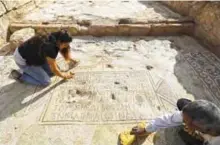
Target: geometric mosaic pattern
x=106, y=97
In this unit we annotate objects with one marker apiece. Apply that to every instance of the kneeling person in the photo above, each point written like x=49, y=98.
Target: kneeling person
x=36, y=58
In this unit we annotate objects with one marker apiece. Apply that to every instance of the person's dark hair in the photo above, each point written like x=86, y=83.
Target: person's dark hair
x=61, y=36
x=206, y=114
x=181, y=103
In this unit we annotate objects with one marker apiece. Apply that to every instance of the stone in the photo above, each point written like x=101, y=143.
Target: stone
x=109, y=66
x=85, y=23
x=149, y=67
x=96, y=30
x=124, y=21
x=73, y=30
x=196, y=8
x=139, y=30
x=2, y=9
x=208, y=19
x=19, y=14
x=206, y=16
x=182, y=7
x=83, y=30
x=110, y=30
x=39, y=3
x=12, y=4
x=123, y=30
x=2, y=41
x=4, y=22
x=8, y=47
x=163, y=29
x=22, y=35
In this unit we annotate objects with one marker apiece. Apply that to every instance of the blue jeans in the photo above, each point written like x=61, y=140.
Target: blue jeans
x=36, y=75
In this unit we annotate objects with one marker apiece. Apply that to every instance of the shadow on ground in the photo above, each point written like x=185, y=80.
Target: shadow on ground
x=164, y=137
x=168, y=137
x=14, y=102
x=199, y=74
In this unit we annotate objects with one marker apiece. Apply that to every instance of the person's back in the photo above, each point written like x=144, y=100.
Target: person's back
x=34, y=49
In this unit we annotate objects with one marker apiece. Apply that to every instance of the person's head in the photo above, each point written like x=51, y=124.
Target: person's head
x=203, y=116
x=181, y=103
x=62, y=39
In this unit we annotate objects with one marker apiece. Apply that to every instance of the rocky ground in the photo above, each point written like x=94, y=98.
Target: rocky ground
x=101, y=12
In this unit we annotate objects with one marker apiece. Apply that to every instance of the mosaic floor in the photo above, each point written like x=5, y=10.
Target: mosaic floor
x=119, y=82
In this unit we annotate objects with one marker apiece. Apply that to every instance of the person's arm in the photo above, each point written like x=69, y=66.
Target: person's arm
x=51, y=60
x=55, y=70
x=165, y=121
x=67, y=56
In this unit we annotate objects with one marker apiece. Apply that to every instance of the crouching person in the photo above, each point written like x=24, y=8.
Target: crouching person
x=200, y=118
x=36, y=58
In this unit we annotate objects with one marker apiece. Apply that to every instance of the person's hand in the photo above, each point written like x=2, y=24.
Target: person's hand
x=138, y=131
x=67, y=75
x=73, y=63
x=194, y=133
x=189, y=130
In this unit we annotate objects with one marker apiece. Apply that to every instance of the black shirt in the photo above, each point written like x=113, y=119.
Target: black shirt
x=36, y=49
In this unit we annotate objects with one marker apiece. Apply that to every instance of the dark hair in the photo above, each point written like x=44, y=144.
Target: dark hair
x=206, y=113
x=61, y=36
x=181, y=103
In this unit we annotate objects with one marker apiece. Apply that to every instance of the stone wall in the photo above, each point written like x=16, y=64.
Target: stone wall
x=206, y=15
x=14, y=10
